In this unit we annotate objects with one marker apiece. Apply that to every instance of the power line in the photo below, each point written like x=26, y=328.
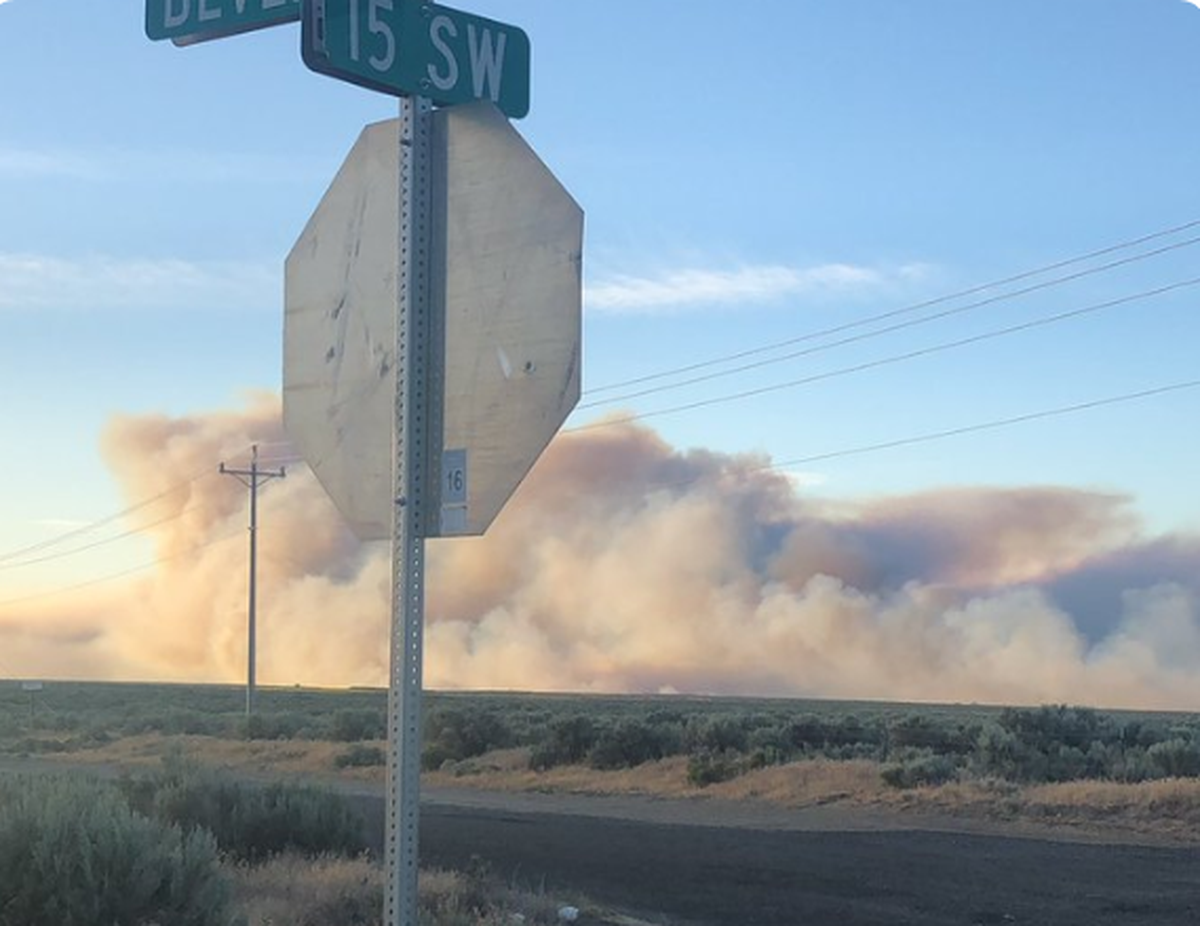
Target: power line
x=91, y=546
x=930, y=436
x=890, y=329
x=94, y=525
x=894, y=313
x=988, y=425
x=893, y=359
x=112, y=577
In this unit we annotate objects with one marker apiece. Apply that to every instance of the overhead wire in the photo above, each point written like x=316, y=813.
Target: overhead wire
x=62, y=554
x=101, y=522
x=990, y=425
x=890, y=329
x=894, y=313
x=944, y=434
x=111, y=577
x=942, y=347
x=92, y=526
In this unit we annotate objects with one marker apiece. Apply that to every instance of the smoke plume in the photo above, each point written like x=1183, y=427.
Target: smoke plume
x=625, y=565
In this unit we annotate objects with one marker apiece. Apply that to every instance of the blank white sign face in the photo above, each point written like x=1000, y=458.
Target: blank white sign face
x=507, y=289
x=339, y=344
x=513, y=261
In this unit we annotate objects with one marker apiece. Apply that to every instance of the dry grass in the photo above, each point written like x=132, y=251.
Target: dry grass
x=306, y=758
x=797, y=784
x=805, y=784
x=1169, y=809
x=294, y=891
x=509, y=771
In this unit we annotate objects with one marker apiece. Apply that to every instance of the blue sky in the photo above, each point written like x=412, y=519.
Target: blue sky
x=751, y=173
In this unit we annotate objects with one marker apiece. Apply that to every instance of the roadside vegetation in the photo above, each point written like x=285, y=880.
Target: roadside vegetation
x=185, y=847
x=1047, y=762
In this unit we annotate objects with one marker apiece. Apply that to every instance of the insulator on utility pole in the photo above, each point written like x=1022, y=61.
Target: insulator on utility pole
x=252, y=478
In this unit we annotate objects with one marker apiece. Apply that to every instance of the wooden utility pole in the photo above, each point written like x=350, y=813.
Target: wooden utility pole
x=252, y=478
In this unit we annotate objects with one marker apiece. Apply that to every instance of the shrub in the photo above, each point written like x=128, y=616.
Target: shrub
x=772, y=742
x=709, y=768
x=177, y=721
x=360, y=756
x=920, y=771
x=352, y=726
x=1044, y=727
x=74, y=854
x=998, y=753
x=628, y=744
x=920, y=732
x=569, y=742
x=716, y=734
x=1176, y=758
x=807, y=733
x=251, y=822
x=454, y=735
x=279, y=726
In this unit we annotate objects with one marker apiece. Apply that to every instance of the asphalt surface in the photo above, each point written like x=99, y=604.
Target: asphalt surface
x=793, y=869
x=711, y=863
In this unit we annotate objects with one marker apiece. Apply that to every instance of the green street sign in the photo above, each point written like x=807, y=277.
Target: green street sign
x=412, y=48
x=188, y=21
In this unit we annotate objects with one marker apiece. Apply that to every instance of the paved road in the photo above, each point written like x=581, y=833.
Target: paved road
x=724, y=864
x=789, y=870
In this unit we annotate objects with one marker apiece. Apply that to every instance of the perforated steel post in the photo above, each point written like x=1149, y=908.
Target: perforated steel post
x=408, y=545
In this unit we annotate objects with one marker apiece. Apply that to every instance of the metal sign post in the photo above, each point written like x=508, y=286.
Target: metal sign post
x=434, y=295
x=413, y=377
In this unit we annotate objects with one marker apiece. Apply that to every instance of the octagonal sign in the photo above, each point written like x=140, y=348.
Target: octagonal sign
x=507, y=251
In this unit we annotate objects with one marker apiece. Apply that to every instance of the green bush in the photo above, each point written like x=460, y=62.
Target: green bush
x=349, y=726
x=360, y=756
x=920, y=771
x=917, y=731
x=569, y=742
x=453, y=735
x=716, y=734
x=74, y=854
x=709, y=768
x=251, y=822
x=287, y=725
x=1176, y=758
x=195, y=723
x=1043, y=728
x=628, y=744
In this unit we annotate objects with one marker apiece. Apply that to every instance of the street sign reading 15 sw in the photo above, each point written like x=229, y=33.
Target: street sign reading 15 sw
x=408, y=47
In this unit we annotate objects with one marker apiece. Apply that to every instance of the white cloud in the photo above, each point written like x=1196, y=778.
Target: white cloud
x=679, y=290
x=37, y=281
